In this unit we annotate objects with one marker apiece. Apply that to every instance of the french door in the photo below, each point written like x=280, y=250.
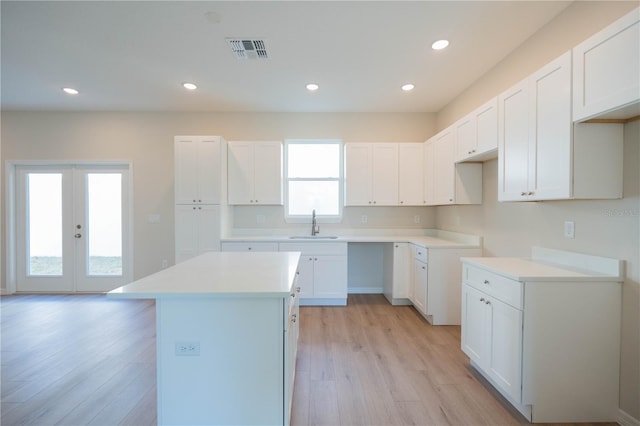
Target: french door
x=72, y=228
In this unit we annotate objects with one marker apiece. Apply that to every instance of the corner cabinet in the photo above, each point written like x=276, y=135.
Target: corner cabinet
x=371, y=174
x=200, y=187
x=255, y=173
x=434, y=282
x=545, y=334
x=542, y=155
x=606, y=71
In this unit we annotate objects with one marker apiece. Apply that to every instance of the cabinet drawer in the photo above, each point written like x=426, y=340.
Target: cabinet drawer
x=504, y=289
x=249, y=246
x=316, y=248
x=419, y=253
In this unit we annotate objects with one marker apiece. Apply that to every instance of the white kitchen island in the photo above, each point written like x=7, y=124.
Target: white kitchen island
x=226, y=337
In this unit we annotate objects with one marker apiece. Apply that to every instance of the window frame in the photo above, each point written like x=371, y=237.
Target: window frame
x=307, y=217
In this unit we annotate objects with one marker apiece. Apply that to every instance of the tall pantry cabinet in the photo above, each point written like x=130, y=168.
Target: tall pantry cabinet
x=200, y=192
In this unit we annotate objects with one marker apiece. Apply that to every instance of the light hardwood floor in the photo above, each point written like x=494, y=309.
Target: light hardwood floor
x=89, y=360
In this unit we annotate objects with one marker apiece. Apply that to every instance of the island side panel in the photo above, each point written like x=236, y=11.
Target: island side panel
x=238, y=376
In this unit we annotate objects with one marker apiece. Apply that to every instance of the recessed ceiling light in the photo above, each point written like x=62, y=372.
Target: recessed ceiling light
x=189, y=86
x=440, y=44
x=408, y=87
x=312, y=87
x=70, y=91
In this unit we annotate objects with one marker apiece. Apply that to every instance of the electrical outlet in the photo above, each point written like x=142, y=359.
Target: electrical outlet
x=569, y=229
x=165, y=263
x=363, y=219
x=188, y=348
x=416, y=219
x=260, y=218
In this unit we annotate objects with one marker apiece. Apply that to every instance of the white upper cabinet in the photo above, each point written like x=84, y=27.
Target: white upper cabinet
x=446, y=182
x=540, y=157
x=255, y=173
x=477, y=133
x=410, y=174
x=199, y=169
x=371, y=174
x=606, y=71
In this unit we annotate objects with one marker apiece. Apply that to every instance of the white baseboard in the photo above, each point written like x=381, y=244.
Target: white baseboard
x=365, y=290
x=625, y=419
x=4, y=292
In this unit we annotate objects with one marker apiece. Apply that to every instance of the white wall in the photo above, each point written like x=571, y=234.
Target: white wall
x=147, y=140
x=604, y=228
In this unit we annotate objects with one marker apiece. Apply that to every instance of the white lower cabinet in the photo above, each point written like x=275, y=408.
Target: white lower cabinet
x=549, y=341
x=434, y=282
x=420, y=279
x=291, y=333
x=197, y=230
x=249, y=246
x=323, y=272
x=492, y=338
x=397, y=282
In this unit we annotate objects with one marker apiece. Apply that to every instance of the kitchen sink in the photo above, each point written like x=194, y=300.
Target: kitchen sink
x=312, y=237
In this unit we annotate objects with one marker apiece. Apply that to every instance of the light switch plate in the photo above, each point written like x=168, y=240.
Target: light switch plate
x=569, y=229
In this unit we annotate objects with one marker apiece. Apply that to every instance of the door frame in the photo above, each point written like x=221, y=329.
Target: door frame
x=11, y=230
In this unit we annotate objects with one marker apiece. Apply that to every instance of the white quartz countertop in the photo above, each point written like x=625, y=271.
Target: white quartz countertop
x=527, y=270
x=448, y=240
x=219, y=274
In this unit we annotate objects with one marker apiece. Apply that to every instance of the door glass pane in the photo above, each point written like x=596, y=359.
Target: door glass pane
x=104, y=230
x=44, y=223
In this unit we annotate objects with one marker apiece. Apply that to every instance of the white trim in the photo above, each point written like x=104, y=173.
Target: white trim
x=365, y=290
x=625, y=419
x=323, y=302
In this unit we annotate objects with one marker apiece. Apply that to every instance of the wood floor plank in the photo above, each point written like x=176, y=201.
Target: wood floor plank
x=85, y=359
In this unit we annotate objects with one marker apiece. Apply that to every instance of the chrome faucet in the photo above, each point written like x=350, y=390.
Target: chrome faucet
x=315, y=228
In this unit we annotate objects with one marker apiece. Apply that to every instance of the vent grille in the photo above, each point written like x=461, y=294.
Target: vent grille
x=248, y=48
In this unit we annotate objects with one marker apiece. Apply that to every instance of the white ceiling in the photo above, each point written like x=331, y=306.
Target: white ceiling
x=134, y=55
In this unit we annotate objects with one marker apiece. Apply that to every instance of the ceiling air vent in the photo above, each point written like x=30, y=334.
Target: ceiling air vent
x=248, y=48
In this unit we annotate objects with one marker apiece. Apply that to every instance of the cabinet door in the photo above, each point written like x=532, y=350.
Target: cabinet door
x=410, y=174
x=186, y=170
x=186, y=232
x=420, y=286
x=209, y=170
x=513, y=143
x=240, y=171
x=550, y=125
x=429, y=172
x=401, y=271
x=474, y=326
x=305, y=277
x=384, y=174
x=267, y=173
x=208, y=228
x=466, y=137
x=504, y=364
x=198, y=171
x=330, y=276
x=486, y=126
x=358, y=174
x=444, y=168
x=606, y=68
x=197, y=230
